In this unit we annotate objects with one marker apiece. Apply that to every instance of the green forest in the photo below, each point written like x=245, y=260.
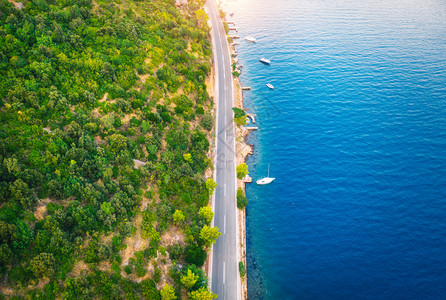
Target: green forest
x=105, y=133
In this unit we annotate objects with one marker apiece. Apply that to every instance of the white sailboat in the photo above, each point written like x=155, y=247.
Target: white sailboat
x=265, y=180
x=270, y=86
x=250, y=39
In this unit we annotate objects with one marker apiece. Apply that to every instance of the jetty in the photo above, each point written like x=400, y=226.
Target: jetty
x=246, y=88
x=252, y=117
x=233, y=28
x=234, y=37
x=247, y=179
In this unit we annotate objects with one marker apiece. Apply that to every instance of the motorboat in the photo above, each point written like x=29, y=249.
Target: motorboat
x=265, y=61
x=269, y=85
x=250, y=39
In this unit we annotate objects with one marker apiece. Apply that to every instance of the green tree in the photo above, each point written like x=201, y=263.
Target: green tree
x=209, y=235
x=206, y=213
x=178, y=217
x=202, y=294
x=22, y=194
x=187, y=157
x=8, y=232
x=239, y=116
x=242, y=170
x=5, y=255
x=201, y=15
x=107, y=208
x=211, y=185
x=149, y=290
x=117, y=142
x=189, y=279
x=168, y=293
x=195, y=255
x=207, y=121
x=12, y=165
x=43, y=265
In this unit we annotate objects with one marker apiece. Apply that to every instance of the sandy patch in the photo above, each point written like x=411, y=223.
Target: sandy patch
x=79, y=268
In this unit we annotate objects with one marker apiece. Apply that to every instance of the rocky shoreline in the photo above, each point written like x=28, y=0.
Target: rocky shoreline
x=243, y=149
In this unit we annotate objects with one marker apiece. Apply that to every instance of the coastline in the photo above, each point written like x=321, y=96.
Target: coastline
x=243, y=149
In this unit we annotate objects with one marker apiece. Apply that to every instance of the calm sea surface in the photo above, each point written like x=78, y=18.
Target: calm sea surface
x=355, y=133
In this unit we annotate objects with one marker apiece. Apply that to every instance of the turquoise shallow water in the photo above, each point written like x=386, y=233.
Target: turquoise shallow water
x=355, y=132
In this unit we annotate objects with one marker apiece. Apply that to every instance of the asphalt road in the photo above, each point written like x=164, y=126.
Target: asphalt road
x=225, y=274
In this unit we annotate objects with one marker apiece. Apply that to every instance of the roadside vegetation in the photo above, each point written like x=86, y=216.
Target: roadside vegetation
x=240, y=117
x=242, y=270
x=105, y=128
x=242, y=201
x=242, y=170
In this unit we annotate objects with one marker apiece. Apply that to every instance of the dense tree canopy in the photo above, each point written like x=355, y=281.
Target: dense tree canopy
x=105, y=124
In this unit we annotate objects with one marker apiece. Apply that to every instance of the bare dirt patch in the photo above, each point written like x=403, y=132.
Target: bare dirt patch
x=40, y=212
x=79, y=268
x=104, y=98
x=127, y=118
x=143, y=77
x=134, y=243
x=173, y=235
x=104, y=266
x=18, y=5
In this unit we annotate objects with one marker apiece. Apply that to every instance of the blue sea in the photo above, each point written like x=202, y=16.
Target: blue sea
x=355, y=135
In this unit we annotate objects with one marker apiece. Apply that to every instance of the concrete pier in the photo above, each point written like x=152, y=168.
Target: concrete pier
x=252, y=117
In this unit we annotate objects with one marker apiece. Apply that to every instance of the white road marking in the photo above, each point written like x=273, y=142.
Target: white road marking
x=224, y=271
x=224, y=189
x=224, y=224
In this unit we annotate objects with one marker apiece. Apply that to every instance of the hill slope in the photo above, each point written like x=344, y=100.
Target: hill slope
x=105, y=125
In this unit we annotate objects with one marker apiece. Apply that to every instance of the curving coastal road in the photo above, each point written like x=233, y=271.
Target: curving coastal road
x=224, y=259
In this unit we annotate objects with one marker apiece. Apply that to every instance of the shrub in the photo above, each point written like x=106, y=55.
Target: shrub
x=242, y=201
x=242, y=269
x=195, y=255
x=207, y=121
x=128, y=269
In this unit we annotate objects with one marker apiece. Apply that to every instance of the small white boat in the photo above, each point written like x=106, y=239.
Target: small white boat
x=269, y=85
x=265, y=180
x=250, y=39
x=265, y=61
